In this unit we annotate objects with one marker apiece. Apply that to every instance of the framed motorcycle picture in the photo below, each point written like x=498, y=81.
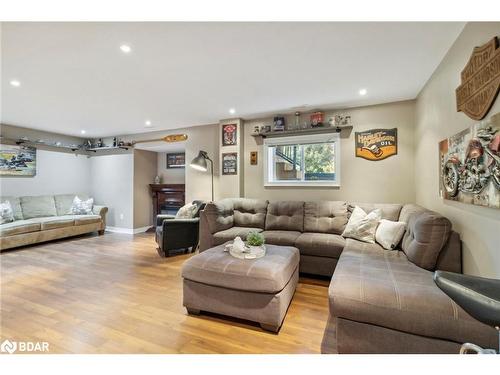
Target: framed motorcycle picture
x=469, y=164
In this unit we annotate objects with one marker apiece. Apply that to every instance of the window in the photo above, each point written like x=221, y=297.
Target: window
x=308, y=160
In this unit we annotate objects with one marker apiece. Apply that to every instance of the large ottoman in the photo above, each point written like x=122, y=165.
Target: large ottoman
x=259, y=290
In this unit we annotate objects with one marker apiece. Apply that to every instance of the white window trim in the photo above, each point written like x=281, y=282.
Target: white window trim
x=310, y=138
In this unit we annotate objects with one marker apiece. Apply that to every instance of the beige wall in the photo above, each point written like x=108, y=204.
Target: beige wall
x=199, y=138
x=172, y=175
x=437, y=119
x=389, y=180
x=57, y=172
x=112, y=183
x=145, y=169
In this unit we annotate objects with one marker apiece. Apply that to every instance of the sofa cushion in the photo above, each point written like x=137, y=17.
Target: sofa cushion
x=325, y=217
x=55, y=222
x=64, y=202
x=281, y=237
x=285, y=215
x=371, y=285
x=19, y=227
x=15, y=203
x=268, y=274
x=390, y=211
x=426, y=234
x=38, y=206
x=250, y=212
x=320, y=244
x=231, y=233
x=86, y=219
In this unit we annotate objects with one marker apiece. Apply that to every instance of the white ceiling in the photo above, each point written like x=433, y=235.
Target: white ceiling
x=74, y=76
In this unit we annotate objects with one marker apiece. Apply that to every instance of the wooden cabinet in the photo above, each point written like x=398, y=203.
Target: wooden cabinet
x=167, y=198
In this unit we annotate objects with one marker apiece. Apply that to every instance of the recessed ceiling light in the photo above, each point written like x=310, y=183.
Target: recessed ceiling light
x=363, y=92
x=125, y=48
x=148, y=124
x=232, y=111
x=83, y=131
x=15, y=83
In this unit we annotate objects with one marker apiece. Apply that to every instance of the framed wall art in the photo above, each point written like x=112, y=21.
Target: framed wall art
x=469, y=164
x=229, y=135
x=376, y=144
x=17, y=161
x=230, y=163
x=176, y=160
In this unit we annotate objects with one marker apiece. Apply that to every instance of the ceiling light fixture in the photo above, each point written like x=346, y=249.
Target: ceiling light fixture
x=125, y=48
x=147, y=124
x=363, y=92
x=15, y=83
x=232, y=111
x=83, y=131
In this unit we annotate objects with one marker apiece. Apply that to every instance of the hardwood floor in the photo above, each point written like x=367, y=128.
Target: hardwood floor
x=114, y=294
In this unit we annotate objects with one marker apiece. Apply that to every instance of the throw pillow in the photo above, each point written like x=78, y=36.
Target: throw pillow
x=82, y=207
x=6, y=212
x=389, y=233
x=362, y=226
x=187, y=211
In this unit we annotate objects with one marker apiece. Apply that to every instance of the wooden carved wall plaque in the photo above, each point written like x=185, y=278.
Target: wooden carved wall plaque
x=480, y=81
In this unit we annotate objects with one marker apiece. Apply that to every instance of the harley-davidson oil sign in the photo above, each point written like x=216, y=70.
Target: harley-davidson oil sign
x=377, y=144
x=480, y=81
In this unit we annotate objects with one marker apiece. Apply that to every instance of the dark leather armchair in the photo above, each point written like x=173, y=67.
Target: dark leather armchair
x=177, y=234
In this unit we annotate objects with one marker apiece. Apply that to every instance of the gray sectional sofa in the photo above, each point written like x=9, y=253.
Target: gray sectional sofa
x=381, y=301
x=45, y=218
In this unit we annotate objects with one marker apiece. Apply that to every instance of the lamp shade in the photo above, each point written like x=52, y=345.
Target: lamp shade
x=200, y=162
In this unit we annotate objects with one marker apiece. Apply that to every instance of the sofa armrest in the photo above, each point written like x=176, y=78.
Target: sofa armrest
x=216, y=216
x=161, y=218
x=178, y=222
x=101, y=211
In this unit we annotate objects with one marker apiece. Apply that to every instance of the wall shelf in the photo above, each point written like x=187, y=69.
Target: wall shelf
x=319, y=130
x=104, y=148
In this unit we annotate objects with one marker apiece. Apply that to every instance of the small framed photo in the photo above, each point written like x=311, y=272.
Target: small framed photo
x=229, y=135
x=230, y=163
x=176, y=160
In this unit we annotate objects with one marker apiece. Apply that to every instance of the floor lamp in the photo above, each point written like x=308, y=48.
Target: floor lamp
x=200, y=163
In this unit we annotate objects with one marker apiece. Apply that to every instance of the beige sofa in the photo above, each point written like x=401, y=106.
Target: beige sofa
x=45, y=218
x=381, y=301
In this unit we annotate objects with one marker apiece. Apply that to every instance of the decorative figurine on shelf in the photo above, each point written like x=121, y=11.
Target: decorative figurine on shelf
x=157, y=180
x=114, y=142
x=121, y=143
x=99, y=143
x=279, y=123
x=317, y=119
x=297, y=120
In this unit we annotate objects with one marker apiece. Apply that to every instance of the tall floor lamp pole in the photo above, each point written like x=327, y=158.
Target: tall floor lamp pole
x=200, y=163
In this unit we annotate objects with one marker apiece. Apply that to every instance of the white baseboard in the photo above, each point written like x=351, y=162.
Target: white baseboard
x=127, y=230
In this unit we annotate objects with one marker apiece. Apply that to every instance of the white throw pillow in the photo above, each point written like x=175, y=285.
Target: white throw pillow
x=389, y=233
x=81, y=207
x=362, y=226
x=187, y=211
x=6, y=213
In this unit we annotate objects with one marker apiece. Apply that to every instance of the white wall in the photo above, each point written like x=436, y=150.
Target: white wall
x=437, y=119
x=56, y=173
x=112, y=183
